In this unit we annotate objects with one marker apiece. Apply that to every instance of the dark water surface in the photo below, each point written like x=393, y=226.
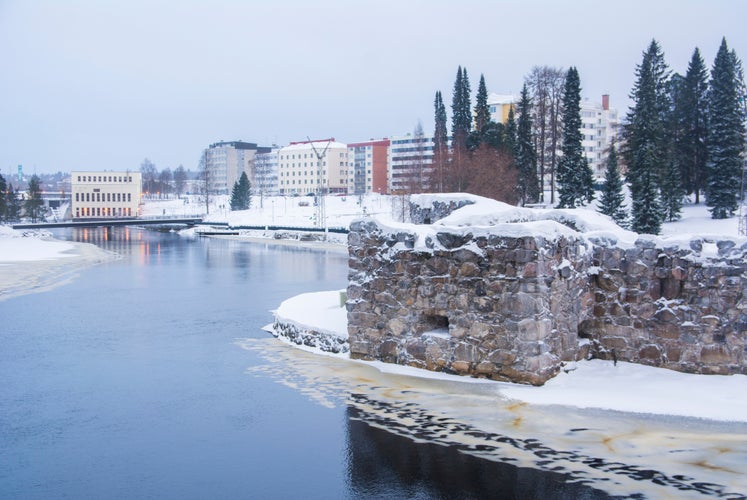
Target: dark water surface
x=129, y=383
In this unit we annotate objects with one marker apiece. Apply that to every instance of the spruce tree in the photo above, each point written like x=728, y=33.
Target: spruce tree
x=482, y=110
x=440, y=144
x=461, y=123
x=645, y=137
x=509, y=133
x=524, y=152
x=691, y=112
x=574, y=176
x=34, y=203
x=726, y=134
x=612, y=199
x=3, y=198
x=241, y=193
x=461, y=118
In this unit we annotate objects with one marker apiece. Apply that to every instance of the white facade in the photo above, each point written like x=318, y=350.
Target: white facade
x=105, y=195
x=226, y=161
x=301, y=171
x=410, y=163
x=599, y=125
x=265, y=179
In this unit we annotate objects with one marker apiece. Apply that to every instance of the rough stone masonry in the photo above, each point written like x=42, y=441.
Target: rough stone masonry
x=517, y=306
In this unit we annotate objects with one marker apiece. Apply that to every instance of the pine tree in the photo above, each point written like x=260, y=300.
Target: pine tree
x=691, y=114
x=440, y=145
x=646, y=140
x=524, y=152
x=241, y=193
x=612, y=199
x=34, y=203
x=575, y=178
x=482, y=110
x=3, y=198
x=726, y=134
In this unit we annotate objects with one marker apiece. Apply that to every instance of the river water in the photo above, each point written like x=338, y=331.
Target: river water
x=151, y=377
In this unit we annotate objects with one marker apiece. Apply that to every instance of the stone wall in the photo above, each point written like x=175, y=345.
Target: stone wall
x=671, y=307
x=506, y=308
x=514, y=307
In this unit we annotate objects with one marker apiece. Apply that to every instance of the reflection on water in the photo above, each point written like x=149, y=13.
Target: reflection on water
x=620, y=454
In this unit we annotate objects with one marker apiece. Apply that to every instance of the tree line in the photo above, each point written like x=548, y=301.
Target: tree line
x=683, y=136
x=14, y=204
x=164, y=182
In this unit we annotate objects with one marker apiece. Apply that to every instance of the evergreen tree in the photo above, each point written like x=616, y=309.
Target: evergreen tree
x=509, y=132
x=524, y=152
x=461, y=113
x=13, y=205
x=612, y=199
x=646, y=140
x=3, y=198
x=574, y=176
x=34, y=203
x=440, y=145
x=482, y=110
x=726, y=134
x=241, y=193
x=691, y=114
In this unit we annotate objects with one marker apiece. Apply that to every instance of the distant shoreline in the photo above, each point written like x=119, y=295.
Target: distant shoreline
x=314, y=245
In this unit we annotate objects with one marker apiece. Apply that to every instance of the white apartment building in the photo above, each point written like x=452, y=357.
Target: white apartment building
x=265, y=173
x=305, y=167
x=105, y=195
x=410, y=163
x=599, y=125
x=226, y=161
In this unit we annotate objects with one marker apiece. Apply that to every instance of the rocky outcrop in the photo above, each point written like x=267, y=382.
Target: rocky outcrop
x=514, y=307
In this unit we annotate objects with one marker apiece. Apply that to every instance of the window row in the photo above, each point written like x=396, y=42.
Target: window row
x=103, y=212
x=121, y=197
x=104, y=178
x=306, y=181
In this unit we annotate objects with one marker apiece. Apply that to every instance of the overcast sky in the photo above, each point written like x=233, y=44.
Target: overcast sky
x=101, y=85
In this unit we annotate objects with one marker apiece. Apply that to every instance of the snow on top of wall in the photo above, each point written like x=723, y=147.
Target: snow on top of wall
x=486, y=216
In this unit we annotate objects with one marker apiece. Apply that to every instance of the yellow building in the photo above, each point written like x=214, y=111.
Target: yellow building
x=500, y=105
x=105, y=195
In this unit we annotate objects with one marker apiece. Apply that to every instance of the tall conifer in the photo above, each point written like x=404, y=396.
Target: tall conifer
x=646, y=140
x=482, y=110
x=575, y=179
x=726, y=134
x=524, y=152
x=612, y=199
x=440, y=144
x=691, y=108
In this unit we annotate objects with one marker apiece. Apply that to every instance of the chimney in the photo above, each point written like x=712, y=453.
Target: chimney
x=606, y=102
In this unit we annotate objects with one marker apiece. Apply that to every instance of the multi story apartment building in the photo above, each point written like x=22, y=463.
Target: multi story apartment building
x=105, y=194
x=305, y=167
x=226, y=161
x=599, y=126
x=500, y=105
x=367, y=164
x=410, y=163
x=265, y=173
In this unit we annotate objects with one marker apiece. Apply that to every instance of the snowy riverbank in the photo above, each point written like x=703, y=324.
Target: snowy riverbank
x=33, y=261
x=624, y=387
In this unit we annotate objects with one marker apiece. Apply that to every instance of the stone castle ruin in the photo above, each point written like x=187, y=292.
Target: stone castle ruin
x=514, y=296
